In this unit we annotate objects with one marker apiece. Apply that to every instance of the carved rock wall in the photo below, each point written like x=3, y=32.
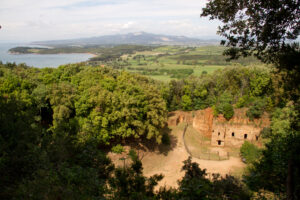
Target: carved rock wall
x=203, y=121
x=222, y=132
x=238, y=129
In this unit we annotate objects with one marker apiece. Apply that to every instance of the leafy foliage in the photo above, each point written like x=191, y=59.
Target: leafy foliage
x=268, y=30
x=195, y=185
x=249, y=152
x=265, y=29
x=53, y=121
x=222, y=89
x=117, y=149
x=279, y=158
x=60, y=119
x=91, y=102
x=262, y=26
x=35, y=164
x=228, y=111
x=129, y=182
x=256, y=109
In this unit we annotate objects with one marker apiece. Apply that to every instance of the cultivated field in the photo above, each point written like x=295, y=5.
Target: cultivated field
x=175, y=62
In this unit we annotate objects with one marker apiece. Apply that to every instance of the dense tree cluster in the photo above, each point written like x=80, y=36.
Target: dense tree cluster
x=90, y=102
x=35, y=164
x=266, y=29
x=239, y=86
x=269, y=31
x=212, y=59
x=54, y=124
x=115, y=52
x=44, y=155
x=272, y=170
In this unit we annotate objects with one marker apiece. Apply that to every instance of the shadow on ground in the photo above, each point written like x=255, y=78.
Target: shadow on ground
x=169, y=142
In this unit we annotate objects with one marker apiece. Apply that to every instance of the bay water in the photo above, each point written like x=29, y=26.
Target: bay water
x=40, y=61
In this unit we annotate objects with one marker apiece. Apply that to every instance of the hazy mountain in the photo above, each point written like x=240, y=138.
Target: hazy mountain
x=130, y=38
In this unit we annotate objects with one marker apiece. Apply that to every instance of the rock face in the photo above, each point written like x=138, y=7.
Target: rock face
x=233, y=134
x=237, y=130
x=203, y=121
x=177, y=117
x=222, y=132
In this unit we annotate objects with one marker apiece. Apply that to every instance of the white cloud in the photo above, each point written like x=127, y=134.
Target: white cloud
x=60, y=19
x=128, y=25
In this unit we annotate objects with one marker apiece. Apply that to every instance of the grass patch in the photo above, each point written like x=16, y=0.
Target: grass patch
x=200, y=147
x=163, y=78
x=198, y=70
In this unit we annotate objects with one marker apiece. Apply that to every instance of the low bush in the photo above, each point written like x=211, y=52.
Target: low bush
x=117, y=149
x=228, y=111
x=266, y=132
x=257, y=109
x=249, y=152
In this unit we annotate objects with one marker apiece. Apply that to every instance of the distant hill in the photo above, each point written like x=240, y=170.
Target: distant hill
x=141, y=38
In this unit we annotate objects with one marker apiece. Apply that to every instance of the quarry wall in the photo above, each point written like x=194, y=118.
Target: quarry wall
x=222, y=132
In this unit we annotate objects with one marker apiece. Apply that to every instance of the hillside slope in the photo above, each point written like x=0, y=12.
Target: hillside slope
x=141, y=38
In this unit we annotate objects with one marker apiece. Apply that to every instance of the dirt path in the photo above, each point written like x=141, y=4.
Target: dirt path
x=170, y=163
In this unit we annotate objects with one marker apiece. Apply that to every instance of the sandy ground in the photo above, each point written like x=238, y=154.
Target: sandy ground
x=169, y=163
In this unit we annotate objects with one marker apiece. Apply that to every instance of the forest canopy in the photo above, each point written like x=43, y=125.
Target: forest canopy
x=92, y=102
x=56, y=124
x=63, y=119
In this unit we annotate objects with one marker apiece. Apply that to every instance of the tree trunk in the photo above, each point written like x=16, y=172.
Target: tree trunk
x=289, y=181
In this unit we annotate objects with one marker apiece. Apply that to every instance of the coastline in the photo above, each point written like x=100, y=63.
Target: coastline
x=41, y=60
x=18, y=53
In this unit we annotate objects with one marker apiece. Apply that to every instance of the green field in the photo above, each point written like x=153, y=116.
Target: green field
x=162, y=63
x=165, y=63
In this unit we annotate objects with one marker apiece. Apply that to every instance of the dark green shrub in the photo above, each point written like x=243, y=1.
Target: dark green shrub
x=215, y=110
x=204, y=72
x=257, y=109
x=224, y=108
x=249, y=152
x=266, y=132
x=228, y=111
x=226, y=97
x=242, y=101
x=186, y=102
x=165, y=139
x=133, y=155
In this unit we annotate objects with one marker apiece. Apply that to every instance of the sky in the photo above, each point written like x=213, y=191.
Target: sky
x=33, y=20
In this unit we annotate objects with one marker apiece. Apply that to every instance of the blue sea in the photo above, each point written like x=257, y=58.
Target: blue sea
x=40, y=61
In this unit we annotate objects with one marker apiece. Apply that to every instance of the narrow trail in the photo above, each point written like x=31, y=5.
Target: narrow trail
x=170, y=165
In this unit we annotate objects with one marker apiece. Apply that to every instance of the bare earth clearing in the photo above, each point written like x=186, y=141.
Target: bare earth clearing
x=169, y=162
